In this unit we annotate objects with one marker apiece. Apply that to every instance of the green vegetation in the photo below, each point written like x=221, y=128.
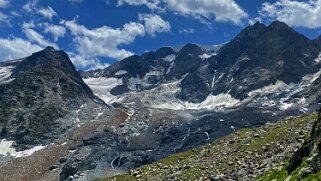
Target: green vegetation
x=281, y=173
x=228, y=154
x=313, y=177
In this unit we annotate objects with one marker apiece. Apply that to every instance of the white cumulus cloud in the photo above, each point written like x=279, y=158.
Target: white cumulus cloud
x=208, y=10
x=104, y=41
x=30, y=5
x=56, y=30
x=13, y=48
x=154, y=24
x=86, y=63
x=34, y=36
x=152, y=4
x=47, y=12
x=294, y=13
x=221, y=10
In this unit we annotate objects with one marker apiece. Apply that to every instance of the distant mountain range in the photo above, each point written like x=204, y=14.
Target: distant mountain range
x=261, y=58
x=138, y=110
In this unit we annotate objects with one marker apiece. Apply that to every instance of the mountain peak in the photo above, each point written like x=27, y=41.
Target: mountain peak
x=283, y=30
x=280, y=26
x=50, y=52
x=48, y=60
x=258, y=25
x=49, y=48
x=278, y=23
x=164, y=51
x=251, y=31
x=190, y=47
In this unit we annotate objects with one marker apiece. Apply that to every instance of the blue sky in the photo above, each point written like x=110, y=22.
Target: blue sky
x=96, y=33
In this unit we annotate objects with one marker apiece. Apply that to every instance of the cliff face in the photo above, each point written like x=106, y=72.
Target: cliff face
x=35, y=96
x=305, y=162
x=307, y=159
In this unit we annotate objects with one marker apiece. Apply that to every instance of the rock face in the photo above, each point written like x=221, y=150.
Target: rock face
x=245, y=155
x=313, y=147
x=259, y=56
x=43, y=88
x=163, y=102
x=307, y=158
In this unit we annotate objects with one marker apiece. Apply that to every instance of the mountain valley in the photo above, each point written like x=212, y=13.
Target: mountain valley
x=193, y=112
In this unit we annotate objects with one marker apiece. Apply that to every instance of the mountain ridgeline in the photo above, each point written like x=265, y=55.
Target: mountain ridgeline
x=259, y=56
x=70, y=125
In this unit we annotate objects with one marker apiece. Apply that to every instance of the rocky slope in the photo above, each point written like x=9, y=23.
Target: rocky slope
x=257, y=59
x=266, y=73
x=57, y=126
x=36, y=93
x=43, y=99
x=287, y=150
x=247, y=154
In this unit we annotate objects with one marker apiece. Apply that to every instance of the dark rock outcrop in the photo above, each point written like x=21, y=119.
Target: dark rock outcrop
x=44, y=88
x=310, y=150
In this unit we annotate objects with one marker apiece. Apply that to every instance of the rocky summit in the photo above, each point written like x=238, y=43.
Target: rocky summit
x=242, y=110
x=37, y=93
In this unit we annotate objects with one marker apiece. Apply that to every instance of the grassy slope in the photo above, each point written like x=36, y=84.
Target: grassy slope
x=229, y=154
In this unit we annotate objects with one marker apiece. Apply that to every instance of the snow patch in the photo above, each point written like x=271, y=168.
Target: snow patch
x=207, y=136
x=211, y=103
x=102, y=86
x=272, y=88
x=170, y=68
x=6, y=149
x=285, y=106
x=245, y=58
x=310, y=78
x=213, y=81
x=169, y=105
x=169, y=58
x=120, y=72
x=164, y=97
x=5, y=73
x=153, y=73
x=135, y=83
x=318, y=60
x=207, y=55
x=219, y=78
